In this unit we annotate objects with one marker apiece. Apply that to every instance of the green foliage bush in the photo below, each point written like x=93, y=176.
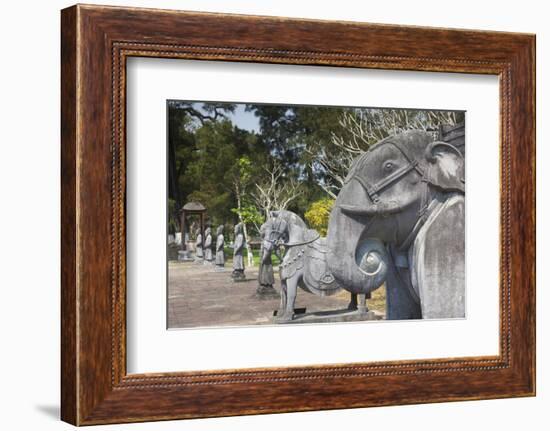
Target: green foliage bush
x=318, y=214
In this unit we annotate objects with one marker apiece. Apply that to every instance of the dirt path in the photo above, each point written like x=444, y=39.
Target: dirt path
x=199, y=296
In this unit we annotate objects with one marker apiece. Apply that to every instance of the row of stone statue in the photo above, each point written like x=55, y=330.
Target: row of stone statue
x=205, y=255
x=205, y=250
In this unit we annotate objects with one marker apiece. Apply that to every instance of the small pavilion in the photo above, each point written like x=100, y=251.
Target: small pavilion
x=189, y=209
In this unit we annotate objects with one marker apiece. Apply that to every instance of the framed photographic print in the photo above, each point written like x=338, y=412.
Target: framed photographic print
x=267, y=215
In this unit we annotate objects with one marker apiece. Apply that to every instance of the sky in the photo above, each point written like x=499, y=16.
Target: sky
x=245, y=120
x=240, y=118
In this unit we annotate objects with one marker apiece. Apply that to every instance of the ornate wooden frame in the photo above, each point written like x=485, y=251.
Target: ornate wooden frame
x=95, y=43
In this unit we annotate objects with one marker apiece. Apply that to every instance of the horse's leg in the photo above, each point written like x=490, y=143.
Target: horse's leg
x=291, y=288
x=362, y=303
x=353, y=302
x=282, y=305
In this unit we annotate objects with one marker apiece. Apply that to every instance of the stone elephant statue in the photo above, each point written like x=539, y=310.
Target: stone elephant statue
x=407, y=191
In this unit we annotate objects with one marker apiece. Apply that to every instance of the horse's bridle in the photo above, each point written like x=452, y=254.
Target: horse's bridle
x=278, y=231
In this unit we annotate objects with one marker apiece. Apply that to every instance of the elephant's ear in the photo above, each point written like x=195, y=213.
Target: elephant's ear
x=446, y=167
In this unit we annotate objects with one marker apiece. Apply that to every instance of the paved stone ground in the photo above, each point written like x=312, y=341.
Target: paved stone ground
x=199, y=296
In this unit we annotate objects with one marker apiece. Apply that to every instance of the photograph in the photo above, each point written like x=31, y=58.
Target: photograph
x=275, y=215
x=268, y=210
x=287, y=214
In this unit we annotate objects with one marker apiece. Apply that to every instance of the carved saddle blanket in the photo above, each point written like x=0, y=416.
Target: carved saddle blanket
x=310, y=257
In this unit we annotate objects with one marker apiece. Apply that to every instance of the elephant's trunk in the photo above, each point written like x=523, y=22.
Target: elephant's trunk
x=346, y=257
x=343, y=237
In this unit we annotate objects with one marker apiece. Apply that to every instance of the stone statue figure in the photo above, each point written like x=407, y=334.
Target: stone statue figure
x=266, y=277
x=398, y=221
x=199, y=252
x=220, y=254
x=193, y=230
x=238, y=262
x=207, y=246
x=406, y=191
x=304, y=264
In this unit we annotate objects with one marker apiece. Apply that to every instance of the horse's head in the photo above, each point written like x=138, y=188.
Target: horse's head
x=278, y=229
x=274, y=232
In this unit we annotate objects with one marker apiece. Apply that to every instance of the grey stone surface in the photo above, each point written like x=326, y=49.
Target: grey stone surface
x=185, y=256
x=199, y=246
x=335, y=316
x=305, y=260
x=407, y=192
x=191, y=245
x=238, y=248
x=437, y=260
x=266, y=277
x=220, y=243
x=265, y=273
x=172, y=251
x=194, y=207
x=266, y=292
x=207, y=245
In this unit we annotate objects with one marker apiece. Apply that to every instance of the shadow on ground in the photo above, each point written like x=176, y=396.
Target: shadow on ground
x=52, y=411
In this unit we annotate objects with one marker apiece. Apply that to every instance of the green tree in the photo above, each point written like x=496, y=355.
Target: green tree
x=293, y=135
x=240, y=177
x=183, y=120
x=214, y=156
x=318, y=215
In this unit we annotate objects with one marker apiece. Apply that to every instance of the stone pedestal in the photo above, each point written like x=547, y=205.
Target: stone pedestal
x=191, y=245
x=266, y=292
x=185, y=256
x=238, y=276
x=332, y=316
x=172, y=251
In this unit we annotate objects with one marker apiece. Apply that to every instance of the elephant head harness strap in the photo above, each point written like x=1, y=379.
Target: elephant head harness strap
x=374, y=190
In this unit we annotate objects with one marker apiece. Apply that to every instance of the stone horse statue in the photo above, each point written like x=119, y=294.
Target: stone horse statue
x=305, y=263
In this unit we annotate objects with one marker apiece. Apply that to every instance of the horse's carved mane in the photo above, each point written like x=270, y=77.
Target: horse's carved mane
x=290, y=218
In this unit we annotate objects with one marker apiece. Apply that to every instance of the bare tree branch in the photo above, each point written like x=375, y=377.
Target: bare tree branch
x=365, y=128
x=276, y=192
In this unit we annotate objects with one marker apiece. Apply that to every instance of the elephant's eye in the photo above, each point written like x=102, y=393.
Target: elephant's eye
x=388, y=166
